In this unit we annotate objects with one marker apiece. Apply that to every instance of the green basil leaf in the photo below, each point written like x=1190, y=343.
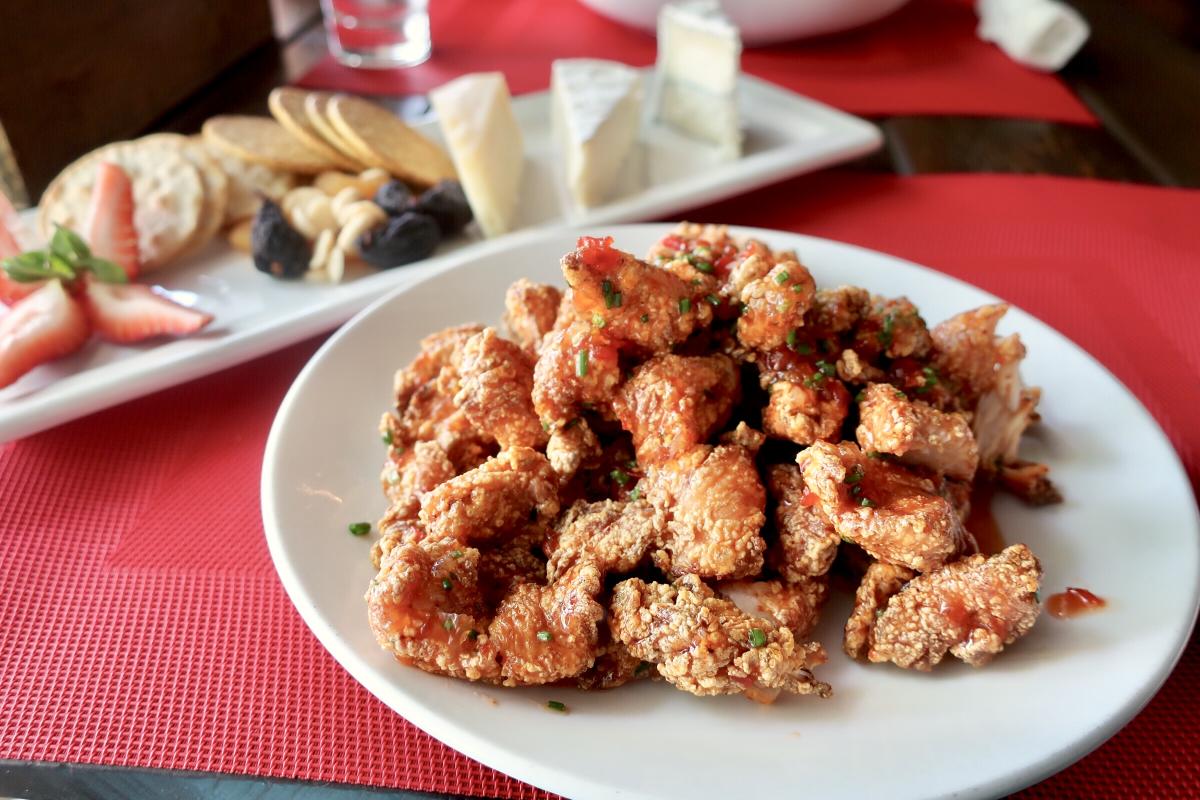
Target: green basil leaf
x=69, y=245
x=59, y=268
x=105, y=270
x=28, y=267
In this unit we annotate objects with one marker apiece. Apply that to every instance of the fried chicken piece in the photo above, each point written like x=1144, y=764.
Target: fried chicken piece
x=879, y=583
x=571, y=448
x=1005, y=409
x=795, y=606
x=615, y=666
x=806, y=401
x=504, y=565
x=807, y=542
x=411, y=473
x=972, y=609
x=498, y=497
x=426, y=625
x=894, y=328
x=530, y=310
x=852, y=369
x=745, y=272
x=672, y=403
x=916, y=432
x=892, y=513
x=634, y=303
x=544, y=634
x=1030, y=482
x=774, y=306
x=706, y=645
x=965, y=350
x=746, y=437
x=496, y=385
x=394, y=530
x=437, y=351
x=578, y=365
x=615, y=536
x=715, y=504
x=839, y=310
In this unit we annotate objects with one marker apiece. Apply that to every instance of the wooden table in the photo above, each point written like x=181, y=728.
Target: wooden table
x=1139, y=74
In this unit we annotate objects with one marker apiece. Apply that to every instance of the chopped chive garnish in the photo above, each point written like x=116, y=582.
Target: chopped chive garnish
x=387, y=437
x=544, y=636
x=931, y=380
x=448, y=623
x=827, y=369
x=620, y=476
x=782, y=277
x=900, y=395
x=581, y=364
x=695, y=281
x=359, y=528
x=885, y=333
x=606, y=288
x=554, y=705
x=791, y=338
x=472, y=634
x=616, y=300
x=867, y=502
x=758, y=637
x=712, y=299
x=446, y=584
x=632, y=464
x=598, y=319
x=636, y=493
x=814, y=380
x=804, y=348
x=797, y=287
x=860, y=395
x=645, y=317
x=685, y=305
x=856, y=474
x=456, y=554
x=700, y=263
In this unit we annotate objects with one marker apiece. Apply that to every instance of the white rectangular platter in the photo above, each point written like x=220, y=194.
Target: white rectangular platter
x=785, y=135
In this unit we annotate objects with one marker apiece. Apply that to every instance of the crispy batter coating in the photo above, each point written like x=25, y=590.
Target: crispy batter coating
x=547, y=633
x=571, y=448
x=410, y=473
x=892, y=513
x=916, y=432
x=505, y=564
x=672, y=403
x=795, y=606
x=837, y=311
x=965, y=350
x=1030, y=482
x=806, y=402
x=578, y=365
x=496, y=384
x=972, y=609
x=744, y=436
x=775, y=305
x=715, y=506
x=426, y=625
x=879, y=583
x=634, y=303
x=530, y=310
x=615, y=666
x=806, y=543
x=498, y=497
x=706, y=645
x=615, y=536
x=437, y=351
x=894, y=328
x=853, y=369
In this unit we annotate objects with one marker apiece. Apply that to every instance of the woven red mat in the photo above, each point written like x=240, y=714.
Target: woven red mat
x=141, y=622
x=925, y=59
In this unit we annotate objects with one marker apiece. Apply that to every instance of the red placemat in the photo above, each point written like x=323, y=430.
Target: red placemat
x=141, y=622
x=925, y=59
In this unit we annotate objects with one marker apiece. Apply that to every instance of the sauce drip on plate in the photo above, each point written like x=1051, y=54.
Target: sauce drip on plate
x=1073, y=602
x=982, y=523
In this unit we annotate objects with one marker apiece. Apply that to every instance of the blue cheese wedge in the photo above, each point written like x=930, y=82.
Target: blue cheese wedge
x=484, y=139
x=596, y=112
x=695, y=88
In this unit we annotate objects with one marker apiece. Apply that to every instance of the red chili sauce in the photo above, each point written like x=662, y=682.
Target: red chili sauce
x=1073, y=602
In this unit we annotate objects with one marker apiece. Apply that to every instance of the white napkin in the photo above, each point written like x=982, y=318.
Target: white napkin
x=1042, y=34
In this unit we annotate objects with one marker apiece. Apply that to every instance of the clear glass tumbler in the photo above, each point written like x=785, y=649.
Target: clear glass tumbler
x=377, y=34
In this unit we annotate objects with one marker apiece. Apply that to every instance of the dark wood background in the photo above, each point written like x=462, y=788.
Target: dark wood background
x=1139, y=73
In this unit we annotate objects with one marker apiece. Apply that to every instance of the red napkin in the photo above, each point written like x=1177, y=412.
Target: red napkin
x=925, y=59
x=141, y=622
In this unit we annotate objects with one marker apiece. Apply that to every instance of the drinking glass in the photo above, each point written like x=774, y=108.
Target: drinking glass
x=377, y=34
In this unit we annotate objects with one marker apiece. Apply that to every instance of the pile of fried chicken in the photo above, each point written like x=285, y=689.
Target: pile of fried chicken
x=655, y=474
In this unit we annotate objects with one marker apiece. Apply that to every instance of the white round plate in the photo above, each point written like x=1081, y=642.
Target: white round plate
x=1127, y=531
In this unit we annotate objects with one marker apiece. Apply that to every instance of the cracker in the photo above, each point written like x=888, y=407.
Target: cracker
x=248, y=183
x=167, y=191
x=402, y=151
x=287, y=107
x=316, y=108
x=216, y=186
x=262, y=140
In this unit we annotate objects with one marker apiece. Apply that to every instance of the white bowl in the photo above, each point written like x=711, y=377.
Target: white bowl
x=762, y=21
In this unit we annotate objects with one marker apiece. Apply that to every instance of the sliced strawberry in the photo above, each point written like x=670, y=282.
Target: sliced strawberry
x=46, y=325
x=130, y=312
x=8, y=216
x=12, y=291
x=110, y=230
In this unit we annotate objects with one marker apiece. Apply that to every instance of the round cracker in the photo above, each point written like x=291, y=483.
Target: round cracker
x=262, y=140
x=248, y=183
x=403, y=152
x=168, y=196
x=216, y=186
x=316, y=109
x=287, y=107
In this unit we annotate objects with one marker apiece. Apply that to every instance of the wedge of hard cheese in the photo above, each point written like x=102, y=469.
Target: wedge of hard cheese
x=477, y=122
x=695, y=82
x=596, y=113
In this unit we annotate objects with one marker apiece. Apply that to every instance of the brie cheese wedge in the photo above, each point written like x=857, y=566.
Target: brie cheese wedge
x=481, y=132
x=596, y=113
